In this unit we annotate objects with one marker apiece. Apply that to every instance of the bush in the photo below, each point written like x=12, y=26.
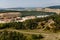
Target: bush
x=37, y=37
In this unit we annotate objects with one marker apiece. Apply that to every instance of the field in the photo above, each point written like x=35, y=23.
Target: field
x=35, y=13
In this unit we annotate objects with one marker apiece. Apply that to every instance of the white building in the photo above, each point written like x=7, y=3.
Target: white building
x=28, y=17
x=41, y=16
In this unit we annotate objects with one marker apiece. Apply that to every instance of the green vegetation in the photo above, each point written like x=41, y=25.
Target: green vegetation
x=51, y=23
x=37, y=37
x=35, y=13
x=38, y=23
x=6, y=35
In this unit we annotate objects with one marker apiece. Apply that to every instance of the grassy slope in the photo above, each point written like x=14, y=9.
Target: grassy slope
x=47, y=35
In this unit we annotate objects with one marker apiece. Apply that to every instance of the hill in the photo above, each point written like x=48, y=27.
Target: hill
x=54, y=7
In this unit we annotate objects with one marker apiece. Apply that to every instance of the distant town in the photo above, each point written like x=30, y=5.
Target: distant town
x=6, y=17
x=15, y=15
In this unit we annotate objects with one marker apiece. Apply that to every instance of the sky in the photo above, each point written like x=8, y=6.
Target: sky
x=28, y=3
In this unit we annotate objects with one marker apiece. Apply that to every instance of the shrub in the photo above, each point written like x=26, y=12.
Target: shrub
x=37, y=37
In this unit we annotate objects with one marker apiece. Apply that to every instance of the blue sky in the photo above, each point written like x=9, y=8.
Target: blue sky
x=28, y=3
